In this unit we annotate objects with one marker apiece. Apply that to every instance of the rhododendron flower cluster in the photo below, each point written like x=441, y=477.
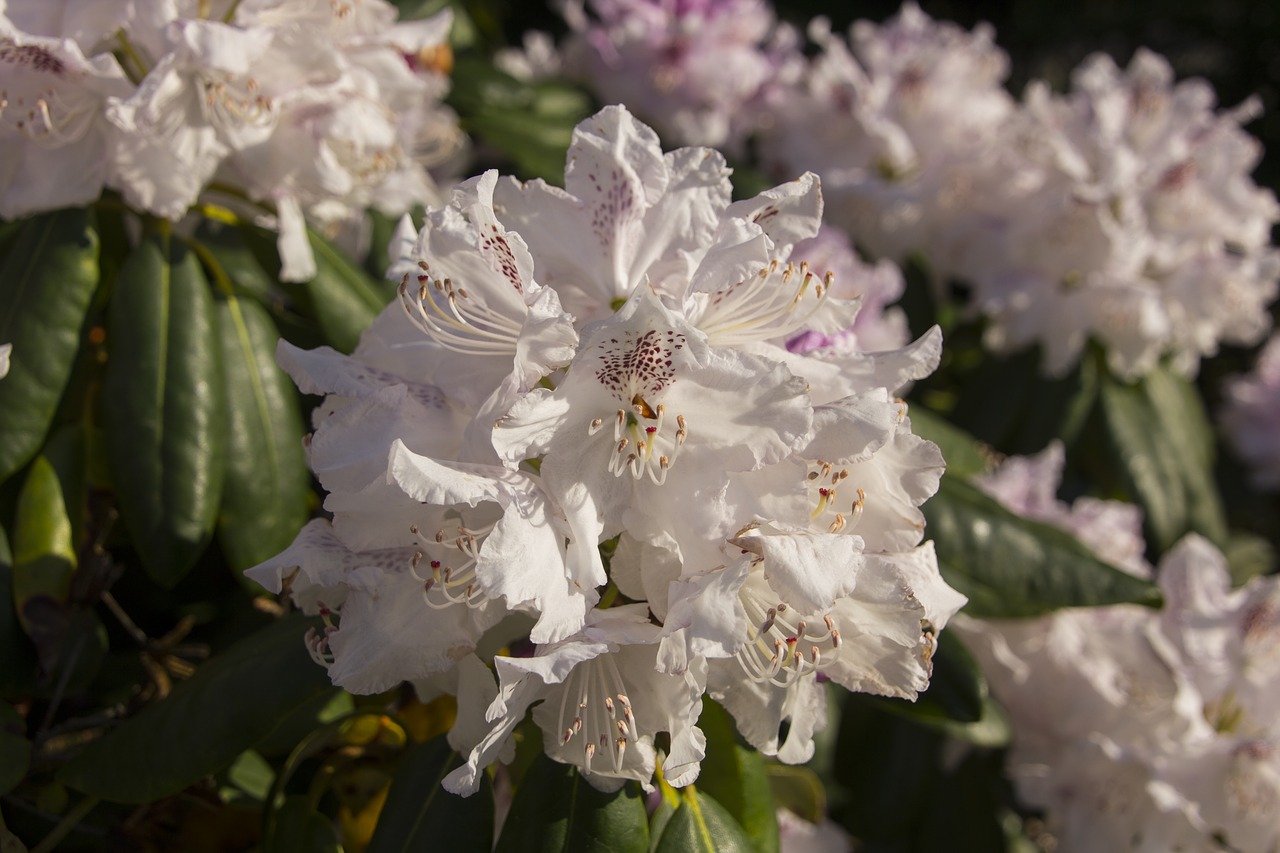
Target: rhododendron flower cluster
x=1251, y=416
x=163, y=101
x=583, y=410
x=1136, y=728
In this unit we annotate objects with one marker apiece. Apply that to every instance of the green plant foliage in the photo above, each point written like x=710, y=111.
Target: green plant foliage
x=299, y=828
x=49, y=282
x=701, y=825
x=1162, y=444
x=342, y=297
x=229, y=705
x=15, y=749
x=162, y=406
x=1012, y=567
x=555, y=810
x=420, y=815
x=735, y=775
x=264, y=496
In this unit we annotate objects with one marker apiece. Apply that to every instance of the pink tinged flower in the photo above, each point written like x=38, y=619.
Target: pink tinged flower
x=646, y=402
x=52, y=121
x=379, y=627
x=528, y=556
x=1251, y=416
x=602, y=702
x=628, y=214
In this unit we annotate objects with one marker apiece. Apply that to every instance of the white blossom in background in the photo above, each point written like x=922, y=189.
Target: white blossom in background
x=903, y=121
x=1134, y=728
x=1250, y=416
x=696, y=70
x=607, y=365
x=53, y=99
x=6, y=353
x=241, y=97
x=1138, y=226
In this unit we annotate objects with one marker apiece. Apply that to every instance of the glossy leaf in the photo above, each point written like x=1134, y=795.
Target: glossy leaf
x=44, y=555
x=162, y=401
x=958, y=701
x=963, y=454
x=342, y=297
x=49, y=280
x=229, y=705
x=799, y=790
x=15, y=749
x=1162, y=444
x=264, y=495
x=420, y=815
x=555, y=810
x=298, y=828
x=1011, y=566
x=701, y=825
x=734, y=774
x=530, y=123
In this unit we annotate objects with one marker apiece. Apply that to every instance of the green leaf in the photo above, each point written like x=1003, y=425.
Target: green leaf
x=1248, y=556
x=17, y=655
x=48, y=285
x=555, y=810
x=734, y=774
x=342, y=297
x=165, y=431
x=264, y=495
x=958, y=701
x=962, y=452
x=1162, y=445
x=1012, y=567
x=419, y=814
x=44, y=557
x=799, y=790
x=530, y=123
x=229, y=705
x=298, y=828
x=701, y=825
x=250, y=774
x=15, y=749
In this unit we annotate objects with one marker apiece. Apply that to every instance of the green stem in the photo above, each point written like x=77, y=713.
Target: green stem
x=136, y=69
x=68, y=823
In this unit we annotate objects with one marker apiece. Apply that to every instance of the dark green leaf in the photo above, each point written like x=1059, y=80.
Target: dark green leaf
x=555, y=810
x=49, y=281
x=964, y=456
x=165, y=430
x=342, y=297
x=1249, y=556
x=420, y=815
x=44, y=555
x=799, y=790
x=1162, y=445
x=17, y=655
x=701, y=825
x=264, y=496
x=1011, y=566
x=957, y=702
x=298, y=828
x=229, y=705
x=15, y=749
x=530, y=123
x=734, y=775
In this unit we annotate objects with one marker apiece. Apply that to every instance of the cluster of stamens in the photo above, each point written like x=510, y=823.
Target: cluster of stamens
x=779, y=650
x=602, y=717
x=48, y=119
x=318, y=641
x=453, y=318
x=637, y=435
x=767, y=305
x=825, y=476
x=229, y=104
x=446, y=585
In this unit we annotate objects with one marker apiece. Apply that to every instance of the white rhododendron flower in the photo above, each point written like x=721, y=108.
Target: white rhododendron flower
x=697, y=71
x=583, y=410
x=1137, y=225
x=903, y=122
x=1137, y=728
x=1251, y=416
x=6, y=353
